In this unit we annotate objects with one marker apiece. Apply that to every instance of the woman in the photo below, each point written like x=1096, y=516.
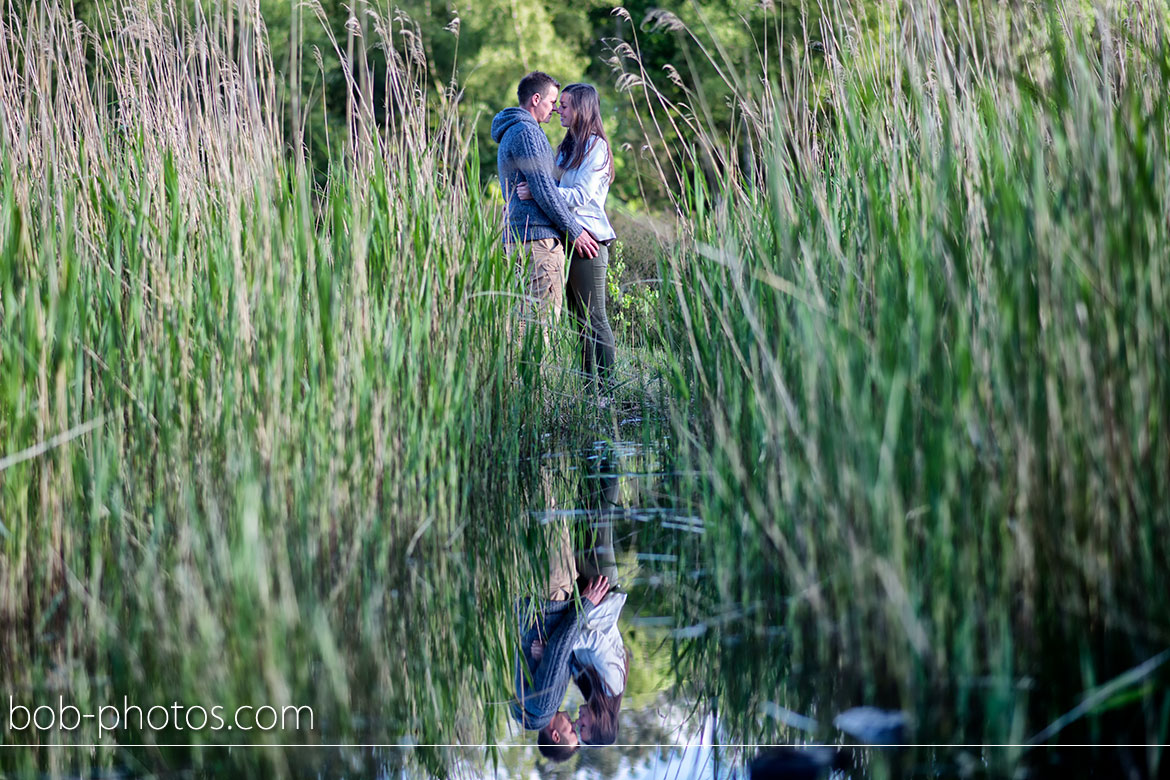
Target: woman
x=585, y=169
x=600, y=665
x=599, y=661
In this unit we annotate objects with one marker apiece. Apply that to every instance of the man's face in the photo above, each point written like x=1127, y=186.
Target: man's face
x=561, y=729
x=543, y=109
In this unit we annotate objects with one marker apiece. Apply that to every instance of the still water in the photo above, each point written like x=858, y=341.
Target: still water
x=423, y=642
x=611, y=506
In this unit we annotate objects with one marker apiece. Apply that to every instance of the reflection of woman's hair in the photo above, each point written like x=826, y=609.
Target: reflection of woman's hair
x=604, y=708
x=586, y=123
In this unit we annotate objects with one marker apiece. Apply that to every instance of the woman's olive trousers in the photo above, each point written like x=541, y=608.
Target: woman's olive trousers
x=587, y=305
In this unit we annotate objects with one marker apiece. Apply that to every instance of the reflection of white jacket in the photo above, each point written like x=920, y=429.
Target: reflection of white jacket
x=586, y=187
x=599, y=645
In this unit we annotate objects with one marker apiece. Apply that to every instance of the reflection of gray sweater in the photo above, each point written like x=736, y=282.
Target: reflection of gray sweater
x=540, y=688
x=525, y=155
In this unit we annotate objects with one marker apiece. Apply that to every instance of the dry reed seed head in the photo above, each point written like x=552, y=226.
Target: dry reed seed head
x=623, y=49
x=628, y=81
x=659, y=19
x=621, y=13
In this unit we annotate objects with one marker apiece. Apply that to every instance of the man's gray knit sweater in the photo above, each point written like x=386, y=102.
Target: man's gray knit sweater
x=540, y=688
x=525, y=155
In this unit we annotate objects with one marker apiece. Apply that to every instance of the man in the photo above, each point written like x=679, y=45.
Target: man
x=538, y=226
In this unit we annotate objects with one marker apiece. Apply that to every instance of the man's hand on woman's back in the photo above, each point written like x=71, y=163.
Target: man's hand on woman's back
x=595, y=591
x=586, y=246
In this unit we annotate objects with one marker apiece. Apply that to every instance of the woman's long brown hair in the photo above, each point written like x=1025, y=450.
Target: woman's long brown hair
x=605, y=709
x=586, y=123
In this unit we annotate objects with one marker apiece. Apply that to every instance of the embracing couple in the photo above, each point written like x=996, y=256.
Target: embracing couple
x=557, y=202
x=561, y=640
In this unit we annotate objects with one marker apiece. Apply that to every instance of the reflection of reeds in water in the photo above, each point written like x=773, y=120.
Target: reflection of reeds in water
x=920, y=346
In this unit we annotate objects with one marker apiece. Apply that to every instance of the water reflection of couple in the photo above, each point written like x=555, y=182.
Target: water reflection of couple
x=559, y=641
x=549, y=204
x=562, y=640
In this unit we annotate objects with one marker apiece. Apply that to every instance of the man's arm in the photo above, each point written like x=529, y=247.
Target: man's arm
x=554, y=664
x=535, y=164
x=528, y=692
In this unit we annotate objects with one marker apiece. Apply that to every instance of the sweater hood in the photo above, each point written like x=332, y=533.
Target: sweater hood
x=507, y=119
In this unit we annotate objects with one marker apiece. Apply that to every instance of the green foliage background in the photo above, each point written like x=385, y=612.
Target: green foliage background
x=476, y=53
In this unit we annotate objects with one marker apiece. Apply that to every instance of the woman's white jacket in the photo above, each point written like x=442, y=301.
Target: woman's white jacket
x=586, y=187
x=599, y=645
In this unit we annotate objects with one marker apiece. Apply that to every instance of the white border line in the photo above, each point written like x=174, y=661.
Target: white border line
x=594, y=747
